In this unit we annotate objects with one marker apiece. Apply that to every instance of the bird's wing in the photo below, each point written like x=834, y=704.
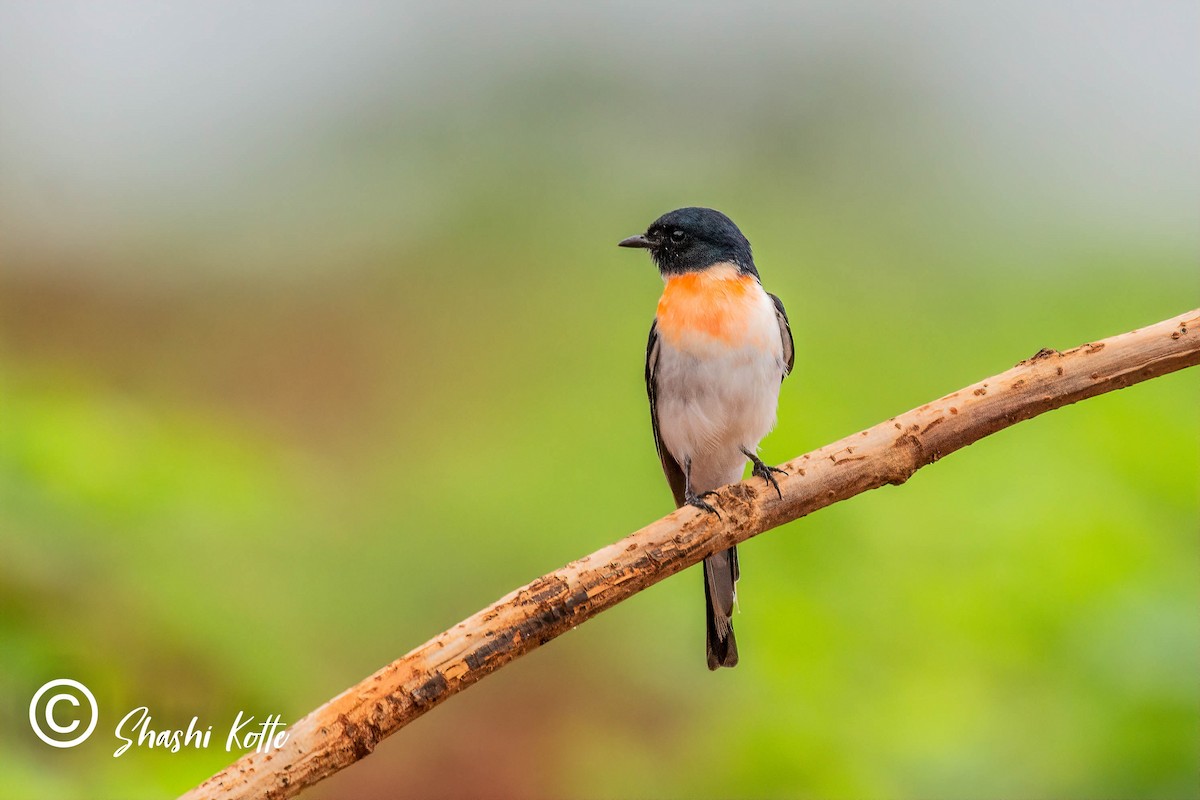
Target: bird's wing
x=670, y=466
x=785, y=331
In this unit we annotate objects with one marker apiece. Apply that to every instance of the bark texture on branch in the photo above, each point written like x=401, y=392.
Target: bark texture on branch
x=349, y=726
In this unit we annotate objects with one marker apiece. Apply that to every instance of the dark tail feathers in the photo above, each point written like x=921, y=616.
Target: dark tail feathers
x=720, y=577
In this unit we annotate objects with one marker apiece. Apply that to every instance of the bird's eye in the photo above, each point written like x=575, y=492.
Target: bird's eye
x=677, y=236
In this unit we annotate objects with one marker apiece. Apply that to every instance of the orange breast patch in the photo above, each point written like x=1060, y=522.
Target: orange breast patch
x=717, y=302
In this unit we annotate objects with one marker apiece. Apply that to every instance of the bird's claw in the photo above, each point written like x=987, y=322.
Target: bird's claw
x=770, y=479
x=697, y=500
x=765, y=471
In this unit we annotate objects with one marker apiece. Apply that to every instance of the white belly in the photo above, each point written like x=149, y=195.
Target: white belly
x=715, y=398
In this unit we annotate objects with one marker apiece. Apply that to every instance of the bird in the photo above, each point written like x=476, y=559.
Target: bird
x=719, y=349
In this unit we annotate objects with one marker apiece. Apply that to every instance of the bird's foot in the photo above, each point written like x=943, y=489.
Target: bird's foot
x=766, y=472
x=697, y=500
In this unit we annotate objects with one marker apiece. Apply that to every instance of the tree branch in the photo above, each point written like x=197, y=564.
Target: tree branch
x=349, y=726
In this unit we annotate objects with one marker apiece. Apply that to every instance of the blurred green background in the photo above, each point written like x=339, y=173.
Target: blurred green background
x=314, y=339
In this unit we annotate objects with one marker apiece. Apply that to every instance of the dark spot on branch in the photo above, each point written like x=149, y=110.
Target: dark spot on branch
x=429, y=691
x=1019, y=384
x=1094, y=347
x=904, y=471
x=536, y=627
x=498, y=644
x=982, y=390
x=545, y=589
x=1045, y=352
x=362, y=738
x=580, y=598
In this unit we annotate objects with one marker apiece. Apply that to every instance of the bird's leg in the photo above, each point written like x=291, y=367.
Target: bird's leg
x=765, y=471
x=690, y=497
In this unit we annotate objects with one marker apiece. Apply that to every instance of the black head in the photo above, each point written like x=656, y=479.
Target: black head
x=693, y=239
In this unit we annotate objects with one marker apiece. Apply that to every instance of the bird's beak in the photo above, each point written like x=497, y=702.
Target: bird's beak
x=636, y=241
